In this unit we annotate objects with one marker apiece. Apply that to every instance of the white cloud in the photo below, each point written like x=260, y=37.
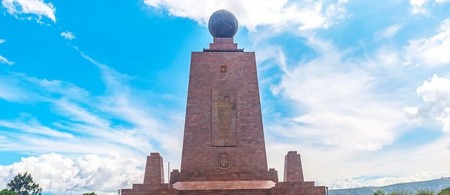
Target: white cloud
x=3, y=60
x=437, y=90
x=17, y=87
x=337, y=104
x=103, y=174
x=382, y=181
x=390, y=31
x=33, y=127
x=347, y=112
x=33, y=7
x=118, y=120
x=435, y=94
x=365, y=168
x=68, y=35
x=2, y=41
x=420, y=6
x=432, y=51
x=303, y=14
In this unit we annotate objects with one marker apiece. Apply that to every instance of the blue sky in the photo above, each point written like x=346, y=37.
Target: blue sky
x=360, y=88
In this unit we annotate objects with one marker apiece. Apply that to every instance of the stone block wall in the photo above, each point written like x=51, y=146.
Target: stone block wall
x=293, y=171
x=223, y=90
x=154, y=172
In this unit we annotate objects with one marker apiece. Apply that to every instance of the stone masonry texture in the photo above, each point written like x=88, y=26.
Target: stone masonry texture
x=155, y=175
x=223, y=147
x=200, y=159
x=293, y=167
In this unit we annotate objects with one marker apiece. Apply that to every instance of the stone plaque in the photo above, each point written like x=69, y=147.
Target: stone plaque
x=224, y=117
x=224, y=160
x=223, y=69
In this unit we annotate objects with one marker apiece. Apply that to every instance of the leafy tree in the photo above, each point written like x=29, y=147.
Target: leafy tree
x=396, y=192
x=23, y=184
x=7, y=192
x=424, y=192
x=445, y=191
x=400, y=192
x=90, y=193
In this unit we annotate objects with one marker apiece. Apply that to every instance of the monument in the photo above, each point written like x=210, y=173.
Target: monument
x=223, y=147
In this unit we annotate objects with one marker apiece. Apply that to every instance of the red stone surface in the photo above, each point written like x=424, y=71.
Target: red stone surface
x=228, y=160
x=297, y=188
x=223, y=44
x=200, y=159
x=225, y=192
x=293, y=171
x=146, y=189
x=174, y=176
x=224, y=185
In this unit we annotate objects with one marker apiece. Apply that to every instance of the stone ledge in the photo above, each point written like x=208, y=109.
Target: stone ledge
x=223, y=185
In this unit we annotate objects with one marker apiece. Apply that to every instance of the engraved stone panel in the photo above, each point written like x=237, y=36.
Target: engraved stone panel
x=223, y=119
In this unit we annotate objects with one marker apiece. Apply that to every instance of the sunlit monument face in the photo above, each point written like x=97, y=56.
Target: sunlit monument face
x=223, y=145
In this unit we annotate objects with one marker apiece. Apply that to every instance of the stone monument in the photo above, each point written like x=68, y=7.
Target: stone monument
x=223, y=147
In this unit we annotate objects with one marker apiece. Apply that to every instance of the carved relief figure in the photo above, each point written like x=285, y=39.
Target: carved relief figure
x=225, y=107
x=224, y=117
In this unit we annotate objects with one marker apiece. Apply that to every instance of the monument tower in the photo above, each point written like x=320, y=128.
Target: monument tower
x=223, y=146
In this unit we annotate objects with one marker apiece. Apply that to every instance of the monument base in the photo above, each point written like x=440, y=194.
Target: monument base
x=207, y=188
x=293, y=185
x=149, y=189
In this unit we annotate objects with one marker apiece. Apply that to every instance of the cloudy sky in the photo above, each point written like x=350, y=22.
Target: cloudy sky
x=89, y=88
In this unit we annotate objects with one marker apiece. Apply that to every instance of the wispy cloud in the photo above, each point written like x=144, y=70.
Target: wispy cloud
x=82, y=123
x=421, y=6
x=33, y=127
x=390, y=31
x=431, y=51
x=334, y=96
x=381, y=181
x=346, y=109
x=3, y=60
x=280, y=14
x=68, y=35
x=22, y=8
x=2, y=41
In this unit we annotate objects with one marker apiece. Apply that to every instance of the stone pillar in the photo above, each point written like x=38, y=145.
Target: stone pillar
x=223, y=134
x=273, y=175
x=174, y=176
x=154, y=173
x=293, y=171
x=222, y=44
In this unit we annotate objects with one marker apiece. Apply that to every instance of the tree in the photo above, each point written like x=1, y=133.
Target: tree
x=90, y=193
x=445, y=191
x=424, y=192
x=23, y=184
x=379, y=192
x=400, y=192
x=7, y=192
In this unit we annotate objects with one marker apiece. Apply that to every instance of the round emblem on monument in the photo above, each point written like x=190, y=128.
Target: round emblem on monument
x=224, y=160
x=222, y=24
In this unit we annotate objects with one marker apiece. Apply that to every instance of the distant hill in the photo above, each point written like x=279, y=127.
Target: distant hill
x=435, y=185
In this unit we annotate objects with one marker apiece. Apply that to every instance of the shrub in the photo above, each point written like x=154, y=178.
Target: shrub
x=424, y=192
x=445, y=191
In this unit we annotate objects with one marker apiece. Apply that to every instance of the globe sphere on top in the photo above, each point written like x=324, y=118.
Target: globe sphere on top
x=222, y=24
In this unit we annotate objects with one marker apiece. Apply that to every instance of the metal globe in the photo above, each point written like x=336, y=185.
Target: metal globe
x=222, y=24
